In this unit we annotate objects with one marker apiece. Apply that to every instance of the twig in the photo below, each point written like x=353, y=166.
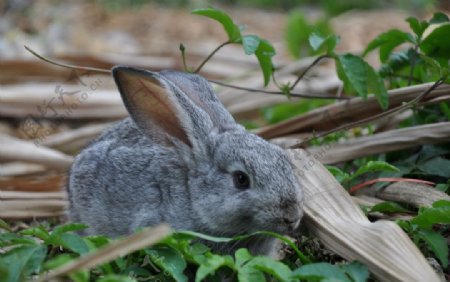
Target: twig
x=79, y=68
x=300, y=77
x=211, y=55
x=388, y=179
x=279, y=92
x=183, y=56
x=407, y=105
x=201, y=65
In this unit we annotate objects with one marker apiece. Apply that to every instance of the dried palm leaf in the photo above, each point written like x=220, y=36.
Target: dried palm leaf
x=19, y=168
x=40, y=183
x=415, y=194
x=13, y=149
x=61, y=101
x=383, y=142
x=342, y=226
x=332, y=116
x=70, y=140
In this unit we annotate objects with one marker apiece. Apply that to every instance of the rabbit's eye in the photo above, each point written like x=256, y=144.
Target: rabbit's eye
x=241, y=180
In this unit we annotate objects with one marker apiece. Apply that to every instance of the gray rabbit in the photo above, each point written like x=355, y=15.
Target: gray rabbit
x=182, y=159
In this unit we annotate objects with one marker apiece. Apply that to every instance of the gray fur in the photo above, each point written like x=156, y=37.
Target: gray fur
x=128, y=178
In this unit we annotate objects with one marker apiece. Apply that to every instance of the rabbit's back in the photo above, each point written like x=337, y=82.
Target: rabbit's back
x=123, y=181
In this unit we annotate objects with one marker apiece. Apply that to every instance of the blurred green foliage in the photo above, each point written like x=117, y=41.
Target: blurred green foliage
x=284, y=111
x=298, y=30
x=330, y=7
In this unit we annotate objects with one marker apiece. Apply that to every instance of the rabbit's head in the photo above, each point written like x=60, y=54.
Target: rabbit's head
x=237, y=182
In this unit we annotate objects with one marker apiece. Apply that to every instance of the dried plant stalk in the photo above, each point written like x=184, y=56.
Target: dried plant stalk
x=13, y=149
x=392, y=140
x=44, y=183
x=19, y=168
x=66, y=101
x=332, y=116
x=31, y=208
x=70, y=140
x=14, y=195
x=341, y=225
x=415, y=194
x=110, y=252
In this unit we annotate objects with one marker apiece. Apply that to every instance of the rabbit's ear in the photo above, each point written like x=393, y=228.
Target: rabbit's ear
x=200, y=92
x=160, y=110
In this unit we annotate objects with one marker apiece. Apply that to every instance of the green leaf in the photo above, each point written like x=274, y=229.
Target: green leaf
x=210, y=263
x=417, y=26
x=441, y=203
x=437, y=166
x=250, y=43
x=169, y=260
x=242, y=256
x=97, y=241
x=357, y=271
x=4, y=225
x=437, y=43
x=22, y=262
x=318, y=271
x=429, y=216
x=250, y=274
x=198, y=248
x=352, y=70
x=373, y=166
x=233, y=31
x=264, y=53
x=280, y=112
x=316, y=40
x=438, y=18
x=191, y=235
x=246, y=273
x=280, y=271
x=296, y=34
x=397, y=61
x=359, y=76
x=9, y=239
x=437, y=243
x=376, y=85
x=321, y=43
x=38, y=232
x=338, y=174
x=58, y=261
x=388, y=207
x=442, y=187
x=68, y=227
x=387, y=41
x=432, y=64
x=71, y=242
x=80, y=276
x=116, y=278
